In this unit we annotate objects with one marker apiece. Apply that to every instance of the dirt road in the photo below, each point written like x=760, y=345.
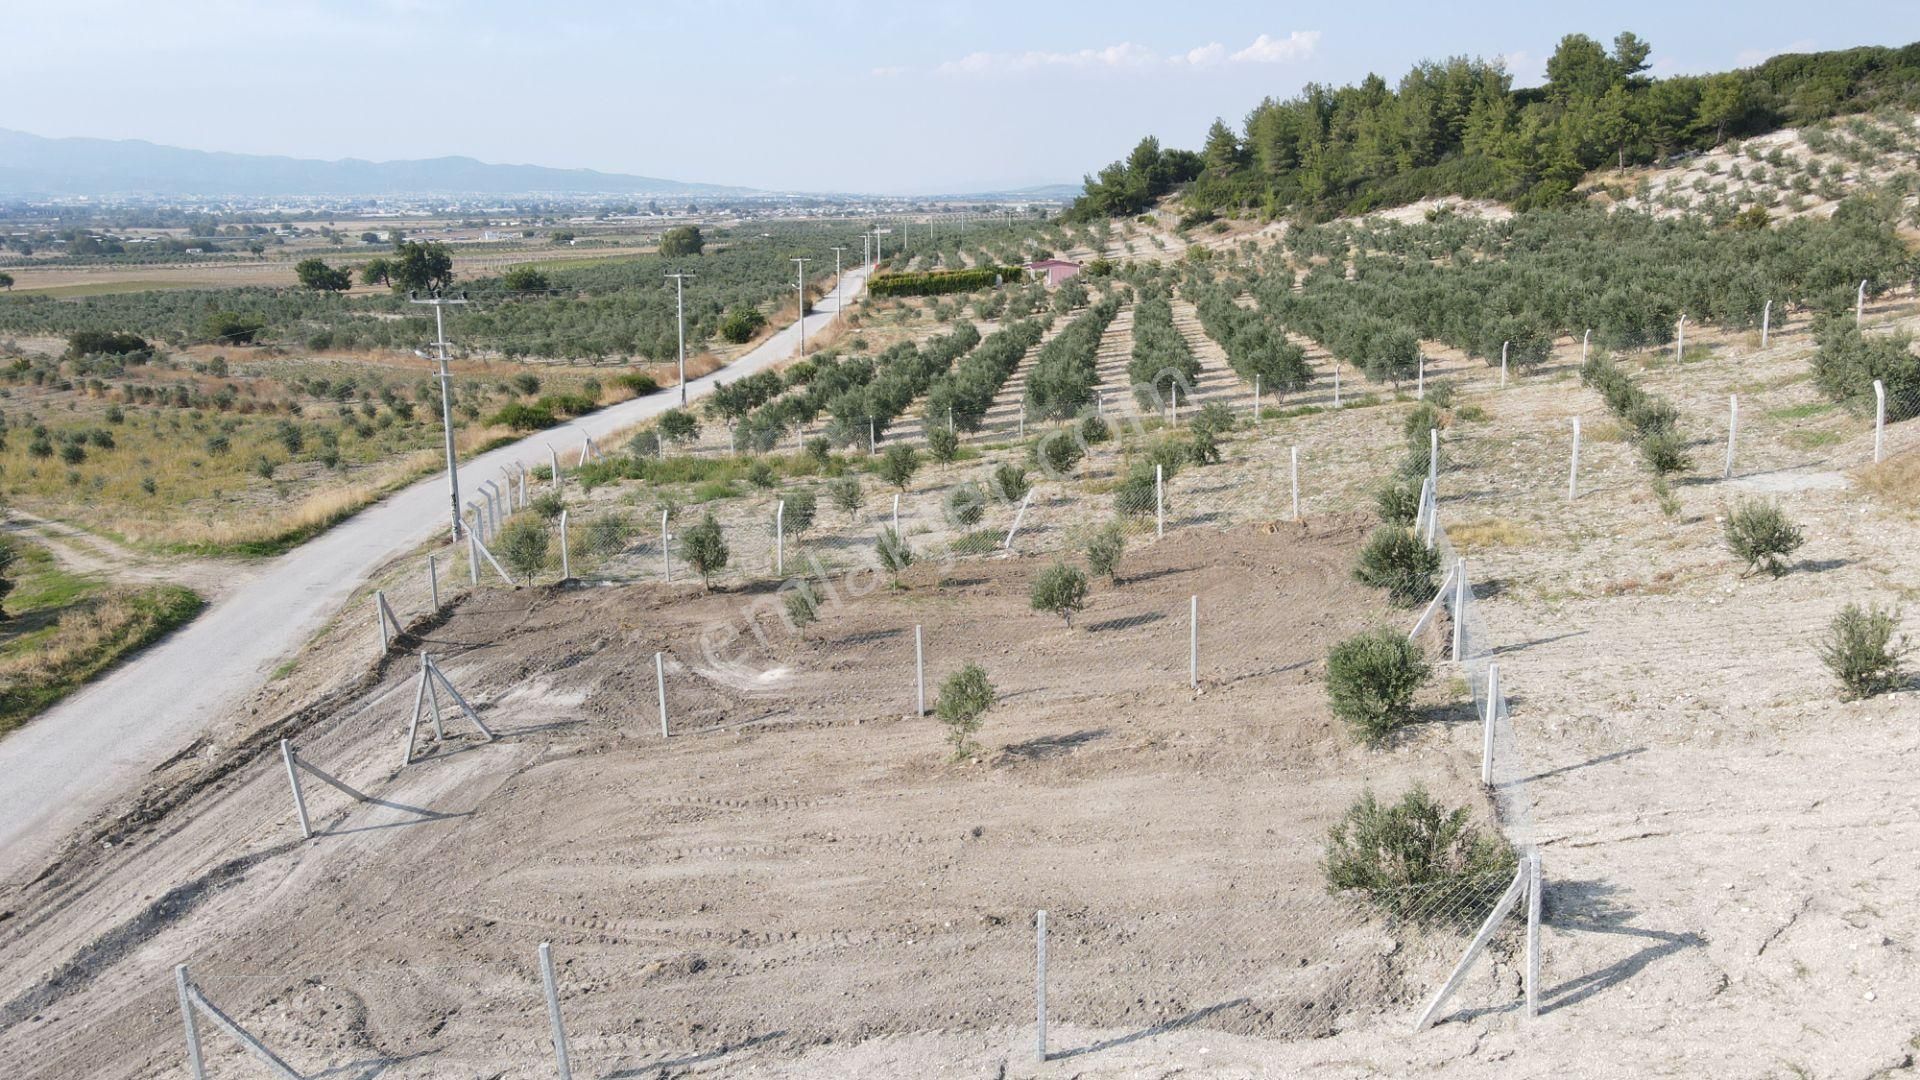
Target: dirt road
x=63, y=767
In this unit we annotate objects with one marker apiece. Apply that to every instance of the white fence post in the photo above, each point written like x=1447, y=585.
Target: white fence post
x=299, y=798
x=553, y=462
x=1336, y=384
x=433, y=580
x=1879, y=420
x=195, y=1061
x=1487, y=929
x=1573, y=470
x=1459, y=607
x=1535, y=884
x=660, y=683
x=1487, y=724
x=1585, y=339
x=566, y=559
x=919, y=673
x=1766, y=322
x=780, y=538
x=380, y=617
x=473, y=557
x=1159, y=501
x=1018, y=516
x=1860, y=301
x=1503, y=364
x=1733, y=429
x=553, y=1013
x=1193, y=640
x=1040, y=983
x=1433, y=605
x=1680, y=338
x=1420, y=385
x=191, y=999
x=1256, y=401
x=896, y=513
x=1293, y=455
x=873, y=439
x=666, y=557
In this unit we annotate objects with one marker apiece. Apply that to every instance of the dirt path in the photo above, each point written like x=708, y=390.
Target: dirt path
x=82, y=552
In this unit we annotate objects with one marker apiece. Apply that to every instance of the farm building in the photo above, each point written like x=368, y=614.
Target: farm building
x=1054, y=270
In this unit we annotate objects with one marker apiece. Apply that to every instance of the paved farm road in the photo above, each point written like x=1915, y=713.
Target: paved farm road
x=69, y=763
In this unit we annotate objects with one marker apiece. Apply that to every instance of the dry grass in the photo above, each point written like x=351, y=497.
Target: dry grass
x=1490, y=532
x=1895, y=480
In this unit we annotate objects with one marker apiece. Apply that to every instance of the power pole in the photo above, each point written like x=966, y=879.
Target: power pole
x=439, y=304
x=836, y=281
x=800, y=266
x=680, y=311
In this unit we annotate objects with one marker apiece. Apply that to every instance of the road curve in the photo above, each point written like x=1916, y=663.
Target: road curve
x=65, y=766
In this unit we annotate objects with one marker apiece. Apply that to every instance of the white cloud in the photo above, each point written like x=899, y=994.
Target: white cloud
x=1128, y=56
x=1297, y=45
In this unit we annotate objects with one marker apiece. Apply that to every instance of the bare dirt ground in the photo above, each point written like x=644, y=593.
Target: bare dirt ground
x=800, y=866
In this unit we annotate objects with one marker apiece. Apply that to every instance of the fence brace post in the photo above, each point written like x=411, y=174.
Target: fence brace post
x=190, y=1022
x=1159, y=501
x=1459, y=608
x=566, y=560
x=1293, y=454
x=919, y=673
x=1535, y=884
x=1193, y=640
x=1487, y=723
x=660, y=682
x=299, y=799
x=1879, y=420
x=1573, y=470
x=553, y=1012
x=1487, y=929
x=433, y=580
x=1040, y=983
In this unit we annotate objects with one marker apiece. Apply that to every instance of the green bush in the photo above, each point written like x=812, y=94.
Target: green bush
x=1396, y=560
x=847, y=494
x=547, y=505
x=1416, y=859
x=898, y=465
x=740, y=324
x=1104, y=551
x=966, y=504
x=1864, y=650
x=640, y=383
x=1371, y=679
x=942, y=445
x=521, y=416
x=1761, y=536
x=678, y=425
x=1010, y=482
x=797, y=516
x=802, y=604
x=523, y=545
x=895, y=554
x=964, y=698
x=1398, y=502
x=1058, y=451
x=1136, y=495
x=1094, y=429
x=1060, y=589
x=1665, y=453
x=704, y=547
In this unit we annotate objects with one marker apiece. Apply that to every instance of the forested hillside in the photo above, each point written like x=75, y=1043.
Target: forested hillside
x=1459, y=127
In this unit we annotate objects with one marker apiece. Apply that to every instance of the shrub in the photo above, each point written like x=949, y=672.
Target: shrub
x=761, y=475
x=820, y=449
x=942, y=445
x=678, y=425
x=547, y=505
x=1371, y=679
x=605, y=534
x=965, y=696
x=740, y=324
x=1665, y=453
x=640, y=383
x=803, y=606
x=523, y=546
x=801, y=507
x=898, y=465
x=1760, y=534
x=704, y=547
x=1060, y=589
x=895, y=554
x=520, y=416
x=1104, y=550
x=1136, y=494
x=1094, y=429
x=526, y=382
x=847, y=494
x=966, y=505
x=645, y=444
x=1203, y=448
x=1398, y=502
x=1395, y=560
x=1416, y=859
x=1058, y=452
x=1010, y=482
x=1864, y=650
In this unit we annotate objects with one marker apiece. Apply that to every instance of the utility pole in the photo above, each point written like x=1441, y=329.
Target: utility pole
x=800, y=267
x=680, y=311
x=439, y=304
x=836, y=281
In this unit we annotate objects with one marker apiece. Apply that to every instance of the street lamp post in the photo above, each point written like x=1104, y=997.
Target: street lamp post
x=439, y=357
x=680, y=313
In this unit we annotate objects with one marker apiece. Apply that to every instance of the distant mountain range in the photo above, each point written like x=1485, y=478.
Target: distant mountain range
x=34, y=165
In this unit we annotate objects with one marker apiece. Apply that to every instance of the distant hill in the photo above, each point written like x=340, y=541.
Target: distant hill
x=34, y=165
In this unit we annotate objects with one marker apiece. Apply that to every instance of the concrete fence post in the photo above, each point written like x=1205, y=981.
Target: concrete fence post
x=380, y=617
x=299, y=797
x=896, y=513
x=1535, y=884
x=1573, y=469
x=1459, y=608
x=1256, y=401
x=919, y=673
x=1766, y=322
x=1680, y=338
x=1193, y=641
x=1879, y=420
x=660, y=685
x=1733, y=429
x=1293, y=456
x=433, y=580
x=1175, y=387
x=1487, y=723
x=1860, y=301
x=780, y=538
x=1336, y=384
x=195, y=1062
x=1420, y=380
x=666, y=557
x=1585, y=339
x=473, y=558
x=553, y=462
x=1159, y=501
x=566, y=557
x=1040, y=983
x=553, y=1013
x=1503, y=364
x=1018, y=516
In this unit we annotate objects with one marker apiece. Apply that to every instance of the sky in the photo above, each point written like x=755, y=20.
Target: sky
x=901, y=96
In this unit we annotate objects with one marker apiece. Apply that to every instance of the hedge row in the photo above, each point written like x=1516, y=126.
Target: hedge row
x=940, y=282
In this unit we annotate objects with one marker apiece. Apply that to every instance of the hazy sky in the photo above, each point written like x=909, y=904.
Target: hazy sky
x=900, y=96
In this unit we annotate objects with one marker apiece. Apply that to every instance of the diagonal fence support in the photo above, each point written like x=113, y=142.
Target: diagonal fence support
x=427, y=693
x=1487, y=929
x=1018, y=516
x=1040, y=983
x=1459, y=609
x=493, y=562
x=560, y=1056
x=299, y=797
x=192, y=1000
x=387, y=620
x=1433, y=605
